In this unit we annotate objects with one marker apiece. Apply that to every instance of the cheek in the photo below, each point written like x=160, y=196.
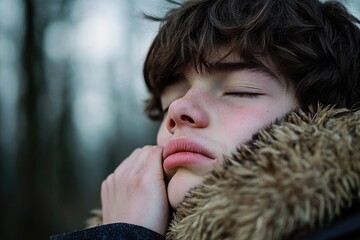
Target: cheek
x=162, y=135
x=239, y=128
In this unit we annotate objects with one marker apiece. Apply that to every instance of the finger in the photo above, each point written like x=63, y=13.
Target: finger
x=129, y=162
x=133, y=164
x=153, y=163
x=105, y=199
x=108, y=196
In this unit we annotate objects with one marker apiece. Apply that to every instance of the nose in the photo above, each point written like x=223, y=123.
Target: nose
x=189, y=111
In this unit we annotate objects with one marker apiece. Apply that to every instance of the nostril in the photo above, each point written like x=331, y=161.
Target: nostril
x=187, y=118
x=172, y=123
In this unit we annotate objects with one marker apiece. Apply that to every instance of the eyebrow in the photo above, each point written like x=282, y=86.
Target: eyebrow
x=239, y=66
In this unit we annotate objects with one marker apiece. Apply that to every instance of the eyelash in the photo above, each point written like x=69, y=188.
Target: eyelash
x=243, y=94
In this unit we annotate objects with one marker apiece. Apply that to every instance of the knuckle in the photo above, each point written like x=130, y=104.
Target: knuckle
x=119, y=170
x=136, y=150
x=118, y=176
x=109, y=180
x=146, y=147
x=106, y=184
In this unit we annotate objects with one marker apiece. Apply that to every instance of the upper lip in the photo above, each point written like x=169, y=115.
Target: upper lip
x=185, y=145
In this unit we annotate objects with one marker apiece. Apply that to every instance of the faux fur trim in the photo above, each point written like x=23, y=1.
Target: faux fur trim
x=95, y=219
x=294, y=176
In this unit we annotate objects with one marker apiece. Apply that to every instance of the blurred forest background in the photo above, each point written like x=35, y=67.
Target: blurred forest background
x=71, y=98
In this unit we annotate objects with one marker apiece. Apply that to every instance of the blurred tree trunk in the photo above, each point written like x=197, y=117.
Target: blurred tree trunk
x=41, y=153
x=29, y=163
x=31, y=166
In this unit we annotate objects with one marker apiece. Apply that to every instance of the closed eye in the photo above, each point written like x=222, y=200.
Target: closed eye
x=243, y=94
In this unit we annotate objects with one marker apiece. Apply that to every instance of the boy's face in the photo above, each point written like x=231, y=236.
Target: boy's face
x=210, y=114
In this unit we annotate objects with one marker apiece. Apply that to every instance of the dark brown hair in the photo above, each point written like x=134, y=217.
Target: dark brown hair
x=315, y=45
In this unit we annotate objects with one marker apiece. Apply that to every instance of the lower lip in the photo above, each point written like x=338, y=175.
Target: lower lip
x=182, y=159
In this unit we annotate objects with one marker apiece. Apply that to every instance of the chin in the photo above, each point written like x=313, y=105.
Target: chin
x=180, y=184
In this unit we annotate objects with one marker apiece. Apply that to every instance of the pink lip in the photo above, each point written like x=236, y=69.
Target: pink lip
x=183, y=152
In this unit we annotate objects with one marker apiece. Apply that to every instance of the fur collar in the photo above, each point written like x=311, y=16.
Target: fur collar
x=296, y=175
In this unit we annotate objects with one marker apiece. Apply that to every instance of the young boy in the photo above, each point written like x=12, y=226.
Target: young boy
x=220, y=74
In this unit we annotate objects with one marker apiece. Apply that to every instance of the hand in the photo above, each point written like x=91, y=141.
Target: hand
x=136, y=193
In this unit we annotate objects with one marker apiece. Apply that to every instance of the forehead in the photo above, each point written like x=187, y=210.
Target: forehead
x=222, y=55
x=222, y=60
